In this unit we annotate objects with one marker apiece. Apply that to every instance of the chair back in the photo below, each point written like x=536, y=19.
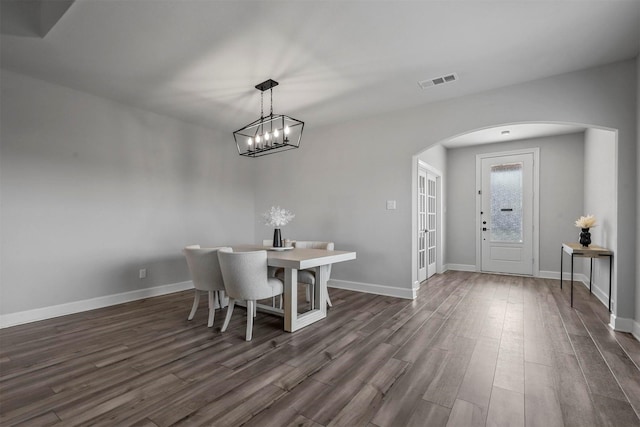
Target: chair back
x=245, y=274
x=312, y=244
x=204, y=268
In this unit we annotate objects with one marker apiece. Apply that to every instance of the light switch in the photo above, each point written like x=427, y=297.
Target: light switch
x=391, y=204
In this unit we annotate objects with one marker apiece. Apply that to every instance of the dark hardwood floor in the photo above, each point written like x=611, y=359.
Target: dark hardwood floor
x=472, y=349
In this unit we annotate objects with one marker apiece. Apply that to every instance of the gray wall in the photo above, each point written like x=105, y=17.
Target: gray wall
x=561, y=195
x=338, y=187
x=600, y=199
x=637, y=317
x=93, y=190
x=435, y=156
x=337, y=183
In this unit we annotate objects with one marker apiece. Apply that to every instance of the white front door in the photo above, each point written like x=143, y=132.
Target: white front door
x=506, y=213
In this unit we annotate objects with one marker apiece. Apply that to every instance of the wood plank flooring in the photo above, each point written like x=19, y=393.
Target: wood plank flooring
x=472, y=350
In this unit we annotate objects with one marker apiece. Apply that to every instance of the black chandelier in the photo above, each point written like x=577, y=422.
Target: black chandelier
x=269, y=134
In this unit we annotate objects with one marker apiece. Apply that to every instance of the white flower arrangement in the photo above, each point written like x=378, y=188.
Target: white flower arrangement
x=277, y=217
x=588, y=221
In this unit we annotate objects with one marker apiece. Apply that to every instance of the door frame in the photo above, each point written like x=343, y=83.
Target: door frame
x=536, y=204
x=439, y=215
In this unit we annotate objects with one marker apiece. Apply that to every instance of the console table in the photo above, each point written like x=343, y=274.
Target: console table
x=593, y=251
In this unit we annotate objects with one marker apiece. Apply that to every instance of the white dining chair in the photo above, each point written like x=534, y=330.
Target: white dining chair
x=206, y=276
x=245, y=278
x=273, y=271
x=308, y=277
x=267, y=243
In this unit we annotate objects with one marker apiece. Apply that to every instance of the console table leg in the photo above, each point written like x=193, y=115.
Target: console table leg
x=561, y=258
x=571, y=280
x=610, y=275
x=590, y=272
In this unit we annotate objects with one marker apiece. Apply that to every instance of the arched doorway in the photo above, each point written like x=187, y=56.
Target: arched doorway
x=587, y=189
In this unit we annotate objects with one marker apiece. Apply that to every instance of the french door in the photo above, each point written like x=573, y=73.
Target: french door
x=431, y=225
x=427, y=198
x=507, y=213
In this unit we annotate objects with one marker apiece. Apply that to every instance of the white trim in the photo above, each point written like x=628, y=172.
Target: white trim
x=535, y=151
x=28, y=316
x=416, y=286
x=621, y=324
x=636, y=330
x=371, y=288
x=460, y=267
x=601, y=295
x=544, y=274
x=440, y=228
x=582, y=278
x=430, y=168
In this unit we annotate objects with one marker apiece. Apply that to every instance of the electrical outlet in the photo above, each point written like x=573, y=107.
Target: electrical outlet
x=391, y=204
x=143, y=273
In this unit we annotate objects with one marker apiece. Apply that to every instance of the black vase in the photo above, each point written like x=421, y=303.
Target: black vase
x=277, y=238
x=585, y=237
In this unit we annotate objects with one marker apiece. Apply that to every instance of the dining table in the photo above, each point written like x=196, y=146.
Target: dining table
x=293, y=260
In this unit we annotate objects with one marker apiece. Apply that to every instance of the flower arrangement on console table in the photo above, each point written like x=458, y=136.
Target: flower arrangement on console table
x=277, y=217
x=585, y=223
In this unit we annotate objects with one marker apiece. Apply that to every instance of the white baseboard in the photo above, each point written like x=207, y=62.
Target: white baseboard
x=371, y=288
x=28, y=316
x=460, y=267
x=556, y=275
x=636, y=330
x=581, y=278
x=624, y=325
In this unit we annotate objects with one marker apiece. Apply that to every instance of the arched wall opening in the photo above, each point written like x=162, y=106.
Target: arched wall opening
x=579, y=171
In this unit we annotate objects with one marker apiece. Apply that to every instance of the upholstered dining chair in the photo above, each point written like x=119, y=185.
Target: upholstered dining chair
x=245, y=278
x=267, y=243
x=308, y=277
x=205, y=273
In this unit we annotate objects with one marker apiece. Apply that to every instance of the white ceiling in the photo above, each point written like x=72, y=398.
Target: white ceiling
x=334, y=60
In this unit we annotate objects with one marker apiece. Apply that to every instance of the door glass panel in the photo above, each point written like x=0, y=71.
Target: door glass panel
x=506, y=202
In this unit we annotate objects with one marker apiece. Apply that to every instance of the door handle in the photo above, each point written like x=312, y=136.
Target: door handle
x=484, y=228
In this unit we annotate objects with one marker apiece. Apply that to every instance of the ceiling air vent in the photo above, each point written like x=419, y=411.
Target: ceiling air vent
x=424, y=84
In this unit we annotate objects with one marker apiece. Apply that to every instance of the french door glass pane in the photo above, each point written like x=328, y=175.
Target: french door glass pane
x=506, y=203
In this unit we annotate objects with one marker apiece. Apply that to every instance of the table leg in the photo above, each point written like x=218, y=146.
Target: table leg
x=561, y=258
x=294, y=321
x=590, y=272
x=322, y=275
x=290, y=299
x=571, y=280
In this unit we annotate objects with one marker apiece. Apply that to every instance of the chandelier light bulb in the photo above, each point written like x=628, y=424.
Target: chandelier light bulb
x=276, y=133
x=250, y=141
x=258, y=139
x=267, y=136
x=287, y=130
